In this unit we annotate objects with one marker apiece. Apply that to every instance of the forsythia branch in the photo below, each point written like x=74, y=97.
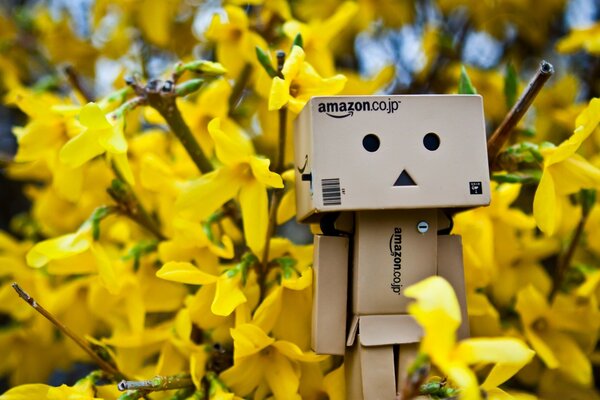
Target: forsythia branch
x=503, y=131
x=103, y=364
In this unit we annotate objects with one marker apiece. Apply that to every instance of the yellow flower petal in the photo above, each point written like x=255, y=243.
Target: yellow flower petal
x=248, y=339
x=57, y=248
x=185, y=272
x=91, y=116
x=279, y=94
x=573, y=174
x=209, y=192
x=300, y=283
x=80, y=150
x=245, y=375
x=293, y=352
x=494, y=350
x=435, y=293
x=113, y=139
x=106, y=270
x=198, y=367
x=545, y=204
x=228, y=296
x=255, y=215
x=26, y=392
x=287, y=207
x=260, y=170
x=268, y=310
x=231, y=147
x=282, y=377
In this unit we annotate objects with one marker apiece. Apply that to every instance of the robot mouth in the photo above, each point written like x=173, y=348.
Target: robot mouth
x=405, y=180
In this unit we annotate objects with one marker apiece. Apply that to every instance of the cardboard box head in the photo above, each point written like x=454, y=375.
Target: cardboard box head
x=390, y=152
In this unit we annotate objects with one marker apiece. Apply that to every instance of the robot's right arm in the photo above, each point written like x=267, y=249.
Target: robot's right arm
x=330, y=297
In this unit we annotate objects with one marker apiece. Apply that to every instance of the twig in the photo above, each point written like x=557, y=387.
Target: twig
x=276, y=193
x=75, y=81
x=129, y=205
x=239, y=87
x=104, y=365
x=158, y=383
x=161, y=95
x=502, y=133
x=565, y=261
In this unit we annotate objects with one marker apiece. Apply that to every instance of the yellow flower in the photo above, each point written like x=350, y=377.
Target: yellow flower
x=286, y=310
x=243, y=174
x=287, y=207
x=228, y=295
x=317, y=36
x=236, y=42
x=101, y=134
x=75, y=253
x=82, y=390
x=546, y=328
x=261, y=360
x=437, y=310
x=358, y=85
x=300, y=83
x=587, y=39
x=565, y=172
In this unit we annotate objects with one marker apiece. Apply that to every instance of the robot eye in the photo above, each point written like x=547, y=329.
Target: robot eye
x=371, y=142
x=431, y=141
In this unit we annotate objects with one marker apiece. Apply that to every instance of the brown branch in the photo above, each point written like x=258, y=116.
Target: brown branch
x=104, y=365
x=162, y=95
x=502, y=133
x=129, y=205
x=239, y=87
x=158, y=383
x=565, y=262
x=75, y=81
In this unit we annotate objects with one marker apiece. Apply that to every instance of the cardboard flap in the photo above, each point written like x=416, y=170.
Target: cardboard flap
x=352, y=331
x=378, y=330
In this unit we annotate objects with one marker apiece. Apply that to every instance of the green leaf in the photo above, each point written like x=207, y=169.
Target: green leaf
x=188, y=87
x=298, y=41
x=98, y=215
x=588, y=199
x=464, y=84
x=511, y=84
x=264, y=60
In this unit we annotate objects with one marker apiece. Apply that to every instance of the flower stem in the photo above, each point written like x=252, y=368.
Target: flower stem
x=103, y=364
x=565, y=262
x=128, y=204
x=276, y=194
x=162, y=96
x=158, y=383
x=239, y=87
x=503, y=131
x=75, y=81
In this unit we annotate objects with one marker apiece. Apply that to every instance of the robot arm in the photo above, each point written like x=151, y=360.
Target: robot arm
x=330, y=294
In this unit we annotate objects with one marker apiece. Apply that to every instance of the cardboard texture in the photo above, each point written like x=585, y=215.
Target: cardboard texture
x=429, y=152
x=376, y=173
x=389, y=255
x=330, y=296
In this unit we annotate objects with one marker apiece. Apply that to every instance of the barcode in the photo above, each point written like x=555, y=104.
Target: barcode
x=332, y=195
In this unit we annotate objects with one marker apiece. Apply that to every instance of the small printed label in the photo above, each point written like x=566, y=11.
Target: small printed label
x=475, y=188
x=332, y=193
x=343, y=109
x=396, y=254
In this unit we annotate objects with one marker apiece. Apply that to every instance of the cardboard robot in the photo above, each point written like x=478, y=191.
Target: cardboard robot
x=381, y=174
